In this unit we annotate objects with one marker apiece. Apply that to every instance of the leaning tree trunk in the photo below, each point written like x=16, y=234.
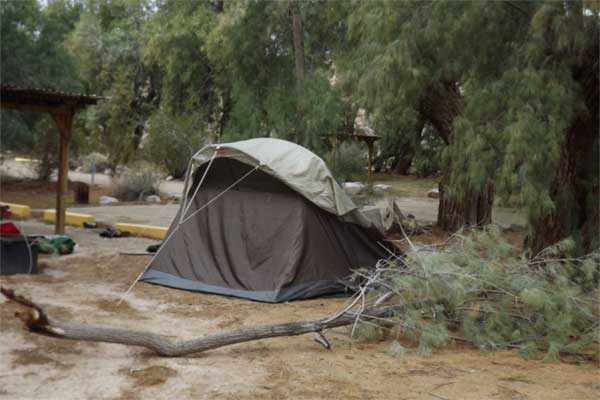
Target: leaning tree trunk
x=575, y=187
x=458, y=206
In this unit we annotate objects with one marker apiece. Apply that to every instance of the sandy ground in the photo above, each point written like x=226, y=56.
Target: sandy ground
x=86, y=286
x=89, y=243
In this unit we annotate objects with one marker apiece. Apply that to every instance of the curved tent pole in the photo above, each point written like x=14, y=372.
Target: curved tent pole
x=189, y=203
x=186, y=180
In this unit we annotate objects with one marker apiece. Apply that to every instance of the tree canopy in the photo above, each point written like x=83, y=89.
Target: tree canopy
x=507, y=90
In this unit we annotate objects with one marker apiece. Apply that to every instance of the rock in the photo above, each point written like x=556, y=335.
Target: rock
x=515, y=228
x=153, y=199
x=106, y=200
x=434, y=193
x=353, y=188
x=381, y=188
x=169, y=178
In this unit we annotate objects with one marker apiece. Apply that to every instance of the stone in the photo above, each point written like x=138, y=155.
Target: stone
x=381, y=188
x=106, y=200
x=353, y=188
x=434, y=193
x=153, y=199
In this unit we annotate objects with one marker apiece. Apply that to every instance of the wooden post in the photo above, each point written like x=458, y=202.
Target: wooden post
x=370, y=162
x=64, y=123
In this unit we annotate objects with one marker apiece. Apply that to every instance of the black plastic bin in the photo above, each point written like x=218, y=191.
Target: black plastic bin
x=15, y=257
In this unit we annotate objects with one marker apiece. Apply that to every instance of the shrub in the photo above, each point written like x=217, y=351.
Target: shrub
x=45, y=148
x=347, y=162
x=136, y=183
x=427, y=158
x=101, y=161
x=172, y=140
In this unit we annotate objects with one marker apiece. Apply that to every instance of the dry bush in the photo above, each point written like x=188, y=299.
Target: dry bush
x=136, y=183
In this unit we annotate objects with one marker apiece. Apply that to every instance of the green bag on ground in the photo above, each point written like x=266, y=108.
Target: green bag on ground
x=58, y=244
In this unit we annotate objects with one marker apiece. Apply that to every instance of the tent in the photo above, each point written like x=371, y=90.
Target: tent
x=263, y=219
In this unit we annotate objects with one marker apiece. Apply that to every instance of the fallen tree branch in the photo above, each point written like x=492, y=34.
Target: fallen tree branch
x=36, y=320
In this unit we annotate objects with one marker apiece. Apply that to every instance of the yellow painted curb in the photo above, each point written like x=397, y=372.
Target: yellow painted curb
x=70, y=218
x=154, y=232
x=18, y=210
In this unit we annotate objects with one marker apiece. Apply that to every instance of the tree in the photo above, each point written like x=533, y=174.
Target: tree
x=411, y=56
x=538, y=139
x=106, y=44
x=276, y=58
x=32, y=54
x=517, y=108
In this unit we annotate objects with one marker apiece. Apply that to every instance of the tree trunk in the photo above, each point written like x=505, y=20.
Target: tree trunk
x=459, y=206
x=298, y=42
x=298, y=45
x=440, y=104
x=464, y=207
x=402, y=163
x=37, y=321
x=575, y=188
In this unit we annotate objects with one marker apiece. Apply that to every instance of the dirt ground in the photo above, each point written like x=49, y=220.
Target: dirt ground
x=86, y=288
x=42, y=194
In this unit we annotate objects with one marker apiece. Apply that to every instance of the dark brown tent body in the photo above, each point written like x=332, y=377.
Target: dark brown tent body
x=259, y=240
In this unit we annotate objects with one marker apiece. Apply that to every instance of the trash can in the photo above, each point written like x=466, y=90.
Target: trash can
x=18, y=255
x=81, y=190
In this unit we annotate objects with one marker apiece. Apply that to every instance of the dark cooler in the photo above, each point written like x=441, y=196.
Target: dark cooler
x=16, y=258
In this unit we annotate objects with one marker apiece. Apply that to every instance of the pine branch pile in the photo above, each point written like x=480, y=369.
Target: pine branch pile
x=479, y=290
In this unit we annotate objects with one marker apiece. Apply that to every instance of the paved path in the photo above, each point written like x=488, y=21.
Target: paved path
x=423, y=208
x=155, y=214
x=18, y=169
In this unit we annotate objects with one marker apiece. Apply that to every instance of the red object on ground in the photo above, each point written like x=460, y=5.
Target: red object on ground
x=5, y=212
x=8, y=228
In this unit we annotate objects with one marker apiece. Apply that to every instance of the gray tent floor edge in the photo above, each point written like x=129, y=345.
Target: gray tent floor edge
x=301, y=291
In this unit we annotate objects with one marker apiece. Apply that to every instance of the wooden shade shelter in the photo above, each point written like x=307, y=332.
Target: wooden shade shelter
x=62, y=106
x=367, y=138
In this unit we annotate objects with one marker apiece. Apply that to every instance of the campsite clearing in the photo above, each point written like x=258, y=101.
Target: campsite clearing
x=85, y=287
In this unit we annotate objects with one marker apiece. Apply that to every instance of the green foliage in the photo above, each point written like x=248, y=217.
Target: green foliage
x=107, y=45
x=520, y=85
x=427, y=158
x=252, y=47
x=44, y=148
x=482, y=291
x=32, y=54
x=98, y=159
x=172, y=141
x=347, y=161
x=397, y=350
x=226, y=71
x=175, y=44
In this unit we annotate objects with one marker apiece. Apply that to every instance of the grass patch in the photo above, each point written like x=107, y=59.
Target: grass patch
x=519, y=377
